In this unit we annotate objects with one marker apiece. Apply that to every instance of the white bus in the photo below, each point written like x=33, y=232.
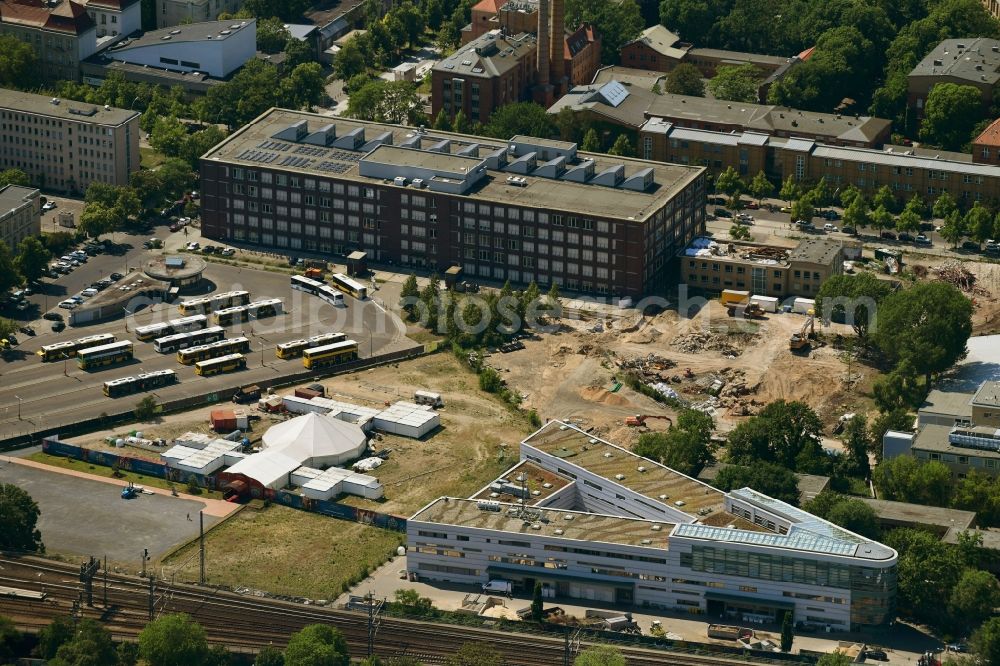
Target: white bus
x=330, y=295
x=182, y=325
x=172, y=343
x=308, y=285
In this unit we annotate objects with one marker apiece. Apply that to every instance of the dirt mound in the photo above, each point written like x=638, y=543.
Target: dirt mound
x=603, y=396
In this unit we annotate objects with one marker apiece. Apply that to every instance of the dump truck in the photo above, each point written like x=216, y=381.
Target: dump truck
x=739, y=303
x=314, y=273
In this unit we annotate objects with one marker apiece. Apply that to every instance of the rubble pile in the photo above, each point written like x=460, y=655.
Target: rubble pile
x=693, y=343
x=957, y=275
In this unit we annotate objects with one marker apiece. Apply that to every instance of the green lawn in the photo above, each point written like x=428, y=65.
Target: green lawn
x=124, y=477
x=328, y=554
x=150, y=159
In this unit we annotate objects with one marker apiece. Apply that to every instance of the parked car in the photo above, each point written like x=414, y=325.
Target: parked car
x=971, y=245
x=753, y=205
x=922, y=240
x=743, y=218
x=90, y=291
x=116, y=276
x=174, y=226
x=227, y=252
x=52, y=316
x=829, y=227
x=208, y=249
x=722, y=212
x=905, y=237
x=193, y=245
x=850, y=230
x=67, y=304
x=888, y=235
x=877, y=655
x=57, y=326
x=830, y=215
x=68, y=259
x=48, y=205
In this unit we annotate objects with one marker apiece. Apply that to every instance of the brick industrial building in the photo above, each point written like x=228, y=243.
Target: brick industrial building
x=973, y=61
x=520, y=210
x=64, y=145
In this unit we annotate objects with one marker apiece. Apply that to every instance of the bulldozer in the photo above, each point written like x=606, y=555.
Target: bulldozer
x=639, y=420
x=800, y=341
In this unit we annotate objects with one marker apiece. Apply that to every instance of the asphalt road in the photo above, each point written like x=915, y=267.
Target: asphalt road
x=35, y=394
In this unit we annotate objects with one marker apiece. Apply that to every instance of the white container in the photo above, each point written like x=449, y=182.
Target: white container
x=766, y=303
x=803, y=305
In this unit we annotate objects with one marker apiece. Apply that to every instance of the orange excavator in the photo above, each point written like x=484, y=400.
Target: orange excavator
x=639, y=420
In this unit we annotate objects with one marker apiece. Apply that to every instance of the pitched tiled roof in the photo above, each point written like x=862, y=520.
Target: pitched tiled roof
x=67, y=16
x=990, y=136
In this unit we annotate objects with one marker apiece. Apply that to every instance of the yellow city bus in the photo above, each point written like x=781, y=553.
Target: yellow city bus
x=218, y=365
x=145, y=382
x=352, y=287
x=243, y=313
x=327, y=355
x=295, y=348
x=214, y=350
x=95, y=357
x=68, y=349
x=215, y=302
x=172, y=327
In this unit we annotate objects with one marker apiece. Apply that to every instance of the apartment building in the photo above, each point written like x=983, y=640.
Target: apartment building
x=20, y=214
x=590, y=520
x=986, y=146
x=114, y=19
x=176, y=12
x=973, y=61
x=993, y=7
x=761, y=269
x=61, y=32
x=64, y=145
x=520, y=210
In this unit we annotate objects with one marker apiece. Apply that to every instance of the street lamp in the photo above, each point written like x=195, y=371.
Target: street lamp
x=262, y=353
x=128, y=313
x=19, y=401
x=371, y=342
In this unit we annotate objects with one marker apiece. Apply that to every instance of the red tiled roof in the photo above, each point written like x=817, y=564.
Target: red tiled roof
x=990, y=136
x=67, y=16
x=805, y=55
x=491, y=6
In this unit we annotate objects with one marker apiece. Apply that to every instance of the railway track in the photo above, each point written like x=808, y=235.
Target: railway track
x=246, y=624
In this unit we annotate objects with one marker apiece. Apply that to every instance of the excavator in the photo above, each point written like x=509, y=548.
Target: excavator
x=639, y=420
x=800, y=341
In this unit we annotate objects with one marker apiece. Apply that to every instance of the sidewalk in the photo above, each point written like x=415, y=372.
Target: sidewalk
x=213, y=507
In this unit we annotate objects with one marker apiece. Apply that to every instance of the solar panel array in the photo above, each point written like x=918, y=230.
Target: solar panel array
x=257, y=156
x=345, y=156
x=335, y=167
x=296, y=162
x=314, y=151
x=274, y=145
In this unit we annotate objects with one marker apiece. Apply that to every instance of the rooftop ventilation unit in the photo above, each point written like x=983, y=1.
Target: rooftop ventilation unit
x=411, y=142
x=656, y=528
x=294, y=132
x=593, y=440
x=472, y=150
x=607, y=454
x=486, y=505
x=569, y=516
x=546, y=485
x=175, y=32
x=580, y=173
x=324, y=136
x=524, y=164
x=225, y=32
x=646, y=542
x=640, y=181
x=620, y=477
x=680, y=503
x=557, y=531
x=610, y=177
x=536, y=526
x=383, y=139
x=664, y=497
x=352, y=140
x=443, y=146
x=641, y=468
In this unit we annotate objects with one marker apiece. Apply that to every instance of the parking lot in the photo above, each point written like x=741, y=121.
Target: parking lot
x=82, y=516
x=35, y=394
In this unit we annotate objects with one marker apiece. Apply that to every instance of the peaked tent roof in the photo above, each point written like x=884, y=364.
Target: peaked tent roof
x=314, y=436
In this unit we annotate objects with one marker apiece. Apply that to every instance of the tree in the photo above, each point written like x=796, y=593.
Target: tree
x=881, y=218
x=821, y=194
x=90, y=645
x=9, y=639
x=980, y=493
x=739, y=232
x=269, y=656
x=32, y=258
x=173, y=640
x=442, y=122
x=600, y=655
x=18, y=63
x=349, y=61
x=177, y=178
x=127, y=654
x=835, y=658
x=884, y=199
x=9, y=277
x=537, y=608
x=788, y=433
x=944, y=205
x=413, y=22
x=787, y=635
x=853, y=297
x=729, y=182
x=979, y=222
x=803, y=208
x=148, y=187
x=974, y=597
x=927, y=572
x=764, y=477
x=950, y=114
x=413, y=602
x=790, y=190
x=906, y=479
x=272, y=35
x=619, y=22
x=53, y=636
x=857, y=441
x=591, y=142
x=145, y=409
x=738, y=83
x=461, y=124
x=476, y=654
x=18, y=521
x=408, y=297
x=303, y=87
x=197, y=144
x=686, y=447
x=621, y=147
x=297, y=52
x=848, y=194
x=856, y=213
x=684, y=79
x=526, y=118
x=760, y=187
x=387, y=102
x=927, y=324
x=907, y=221
x=953, y=229
x=855, y=516
x=317, y=645
x=986, y=641
x=168, y=136
x=13, y=176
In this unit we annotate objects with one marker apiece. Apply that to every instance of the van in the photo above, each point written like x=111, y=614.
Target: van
x=428, y=398
x=501, y=586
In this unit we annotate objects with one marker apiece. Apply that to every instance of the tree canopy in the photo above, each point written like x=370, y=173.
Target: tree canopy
x=684, y=79
x=476, y=654
x=18, y=520
x=89, y=645
x=173, y=640
x=618, y=22
x=737, y=83
x=686, y=447
x=950, y=114
x=764, y=477
x=317, y=645
x=854, y=297
x=600, y=655
x=526, y=118
x=788, y=433
x=850, y=513
x=387, y=102
x=18, y=63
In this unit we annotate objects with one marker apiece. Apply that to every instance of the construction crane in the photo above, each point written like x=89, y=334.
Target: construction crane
x=639, y=420
x=801, y=339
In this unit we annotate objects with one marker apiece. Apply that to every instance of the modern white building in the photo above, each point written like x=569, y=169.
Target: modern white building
x=591, y=520
x=215, y=48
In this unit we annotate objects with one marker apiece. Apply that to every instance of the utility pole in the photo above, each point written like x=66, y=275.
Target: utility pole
x=145, y=557
x=105, y=581
x=201, y=544
x=374, y=620
x=87, y=572
x=152, y=587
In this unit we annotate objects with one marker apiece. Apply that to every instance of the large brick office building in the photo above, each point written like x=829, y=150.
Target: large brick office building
x=520, y=210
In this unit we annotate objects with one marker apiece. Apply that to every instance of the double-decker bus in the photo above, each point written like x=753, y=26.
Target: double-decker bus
x=243, y=313
x=214, y=350
x=352, y=287
x=95, y=357
x=172, y=343
x=218, y=365
x=208, y=304
x=295, y=348
x=182, y=325
x=116, y=388
x=330, y=295
x=308, y=285
x=68, y=349
x=327, y=355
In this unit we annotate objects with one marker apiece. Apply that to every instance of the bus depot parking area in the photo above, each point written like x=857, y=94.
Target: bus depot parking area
x=37, y=394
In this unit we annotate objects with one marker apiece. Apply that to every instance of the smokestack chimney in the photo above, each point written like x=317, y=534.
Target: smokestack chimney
x=557, y=44
x=543, y=43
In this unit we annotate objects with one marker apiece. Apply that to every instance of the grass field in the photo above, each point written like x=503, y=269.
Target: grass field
x=287, y=552
x=124, y=477
x=150, y=159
